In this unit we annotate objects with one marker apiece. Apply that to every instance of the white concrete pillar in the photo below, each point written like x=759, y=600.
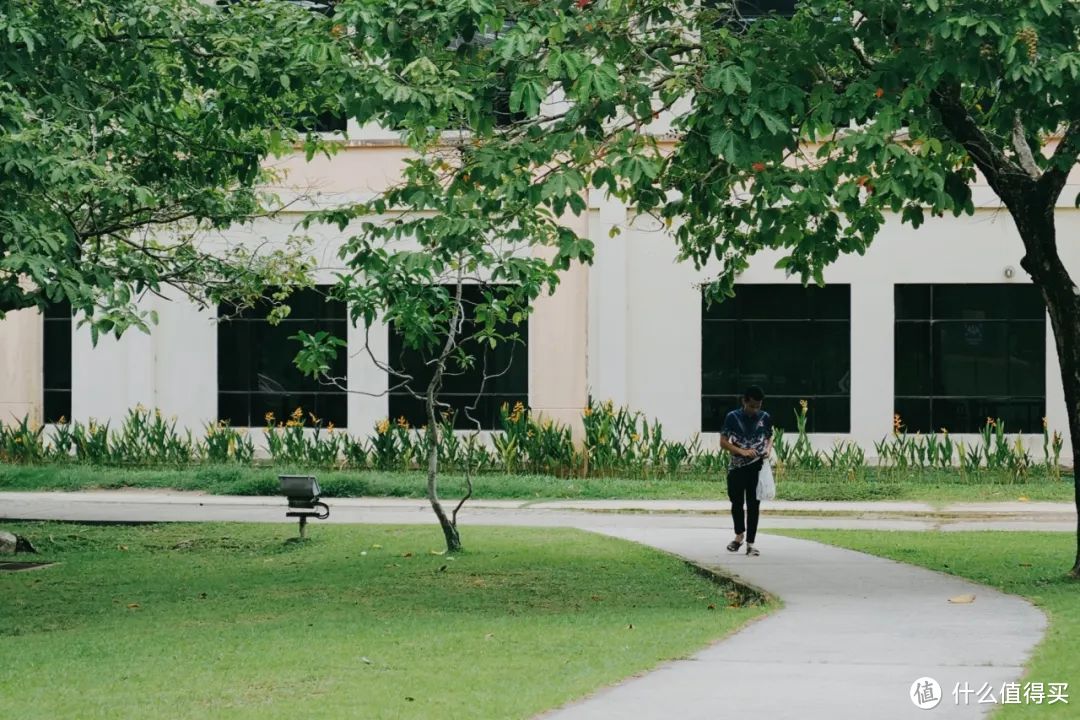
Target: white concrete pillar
x=367, y=402
x=185, y=363
x=608, y=304
x=663, y=356
x=113, y=377
x=21, y=340
x=1057, y=414
x=558, y=342
x=872, y=361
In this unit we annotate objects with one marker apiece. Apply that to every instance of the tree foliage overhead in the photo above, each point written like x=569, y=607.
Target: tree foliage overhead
x=794, y=133
x=120, y=117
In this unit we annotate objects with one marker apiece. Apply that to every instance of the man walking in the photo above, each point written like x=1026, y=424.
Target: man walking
x=747, y=436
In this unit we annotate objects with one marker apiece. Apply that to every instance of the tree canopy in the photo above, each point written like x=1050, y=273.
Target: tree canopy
x=119, y=118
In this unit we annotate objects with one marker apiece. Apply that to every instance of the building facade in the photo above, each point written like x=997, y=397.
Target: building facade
x=939, y=325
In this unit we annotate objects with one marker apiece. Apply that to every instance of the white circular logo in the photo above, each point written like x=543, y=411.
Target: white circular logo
x=925, y=693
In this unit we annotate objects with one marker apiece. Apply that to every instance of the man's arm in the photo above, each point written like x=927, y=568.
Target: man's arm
x=735, y=449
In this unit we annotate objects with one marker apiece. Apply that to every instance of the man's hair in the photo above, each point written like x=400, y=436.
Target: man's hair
x=754, y=393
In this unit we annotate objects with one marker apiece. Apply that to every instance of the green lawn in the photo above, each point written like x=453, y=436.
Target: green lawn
x=231, y=621
x=1032, y=565
x=869, y=484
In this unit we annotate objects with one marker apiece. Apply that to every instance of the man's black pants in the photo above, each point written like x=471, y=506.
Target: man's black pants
x=742, y=489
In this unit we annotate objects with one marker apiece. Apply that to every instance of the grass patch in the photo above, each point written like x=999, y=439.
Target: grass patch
x=1029, y=564
x=230, y=620
x=868, y=484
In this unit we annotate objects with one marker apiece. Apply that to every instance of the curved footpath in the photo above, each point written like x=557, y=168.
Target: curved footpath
x=854, y=632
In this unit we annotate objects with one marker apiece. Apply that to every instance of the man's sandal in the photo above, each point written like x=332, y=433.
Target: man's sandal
x=752, y=551
x=734, y=546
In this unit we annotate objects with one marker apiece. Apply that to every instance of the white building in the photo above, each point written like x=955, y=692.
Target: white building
x=939, y=324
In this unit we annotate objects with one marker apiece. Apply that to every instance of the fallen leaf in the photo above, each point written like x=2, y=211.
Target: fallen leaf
x=122, y=547
x=410, y=699
x=408, y=554
x=962, y=599
x=711, y=606
x=489, y=636
x=1025, y=564
x=133, y=606
x=438, y=552
x=1023, y=499
x=597, y=597
x=364, y=659
x=442, y=568
x=363, y=552
x=376, y=547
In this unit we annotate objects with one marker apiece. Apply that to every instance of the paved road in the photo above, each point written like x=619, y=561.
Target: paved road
x=853, y=634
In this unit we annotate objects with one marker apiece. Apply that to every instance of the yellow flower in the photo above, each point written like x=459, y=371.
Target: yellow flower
x=1044, y=423
x=139, y=408
x=382, y=426
x=297, y=413
x=897, y=424
x=269, y=417
x=803, y=404
x=588, y=411
x=292, y=423
x=314, y=419
x=944, y=432
x=634, y=437
x=403, y=423
x=330, y=427
x=62, y=420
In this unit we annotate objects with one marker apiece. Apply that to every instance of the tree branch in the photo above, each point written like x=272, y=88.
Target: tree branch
x=1064, y=158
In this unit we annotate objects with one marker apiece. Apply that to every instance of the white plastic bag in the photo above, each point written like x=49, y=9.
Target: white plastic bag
x=766, y=484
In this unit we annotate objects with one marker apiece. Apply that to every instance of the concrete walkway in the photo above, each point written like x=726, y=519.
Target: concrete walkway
x=151, y=505
x=854, y=632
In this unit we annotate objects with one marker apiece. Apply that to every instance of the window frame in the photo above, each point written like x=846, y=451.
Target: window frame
x=905, y=315
x=336, y=314
x=55, y=315
x=838, y=315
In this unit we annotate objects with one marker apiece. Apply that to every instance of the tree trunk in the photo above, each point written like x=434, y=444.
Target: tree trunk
x=449, y=528
x=1034, y=216
x=448, y=524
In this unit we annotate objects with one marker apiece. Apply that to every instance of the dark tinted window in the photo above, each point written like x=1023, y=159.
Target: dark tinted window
x=56, y=362
x=497, y=375
x=256, y=373
x=794, y=342
x=968, y=352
